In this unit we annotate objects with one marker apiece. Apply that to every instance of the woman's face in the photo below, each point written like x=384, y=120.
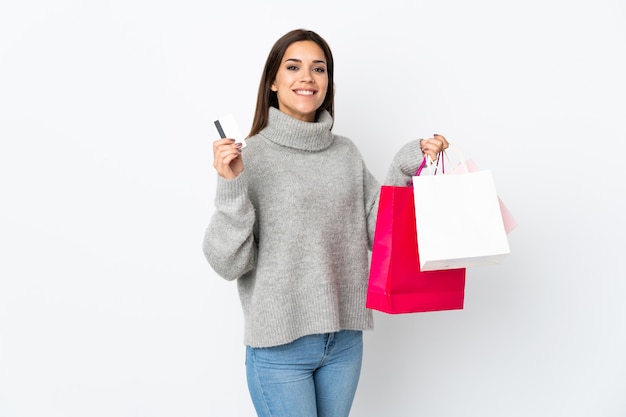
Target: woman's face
x=302, y=80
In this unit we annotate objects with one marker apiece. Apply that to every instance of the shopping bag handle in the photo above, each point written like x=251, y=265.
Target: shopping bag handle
x=427, y=161
x=421, y=167
x=460, y=157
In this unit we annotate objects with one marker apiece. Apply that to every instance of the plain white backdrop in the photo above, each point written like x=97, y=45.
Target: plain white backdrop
x=107, y=305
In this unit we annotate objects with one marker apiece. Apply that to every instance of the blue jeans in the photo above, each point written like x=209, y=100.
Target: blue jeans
x=314, y=376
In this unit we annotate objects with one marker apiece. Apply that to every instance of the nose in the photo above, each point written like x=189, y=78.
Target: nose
x=306, y=77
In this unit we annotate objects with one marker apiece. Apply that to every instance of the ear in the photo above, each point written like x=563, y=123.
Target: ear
x=273, y=87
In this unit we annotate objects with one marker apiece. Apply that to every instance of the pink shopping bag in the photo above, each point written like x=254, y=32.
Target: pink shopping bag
x=396, y=283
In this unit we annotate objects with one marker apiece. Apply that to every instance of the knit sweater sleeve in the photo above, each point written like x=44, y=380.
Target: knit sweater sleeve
x=406, y=161
x=371, y=191
x=401, y=171
x=229, y=245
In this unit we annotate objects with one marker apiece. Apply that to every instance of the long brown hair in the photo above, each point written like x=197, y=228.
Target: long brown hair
x=266, y=97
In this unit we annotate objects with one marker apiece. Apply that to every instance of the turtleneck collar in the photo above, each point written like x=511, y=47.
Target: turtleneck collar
x=286, y=130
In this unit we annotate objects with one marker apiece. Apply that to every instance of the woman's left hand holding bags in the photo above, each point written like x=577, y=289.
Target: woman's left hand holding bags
x=433, y=146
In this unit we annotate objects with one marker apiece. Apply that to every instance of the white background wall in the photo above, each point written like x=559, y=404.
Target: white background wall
x=107, y=306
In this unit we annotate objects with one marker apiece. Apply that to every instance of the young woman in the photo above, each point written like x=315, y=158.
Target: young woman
x=294, y=219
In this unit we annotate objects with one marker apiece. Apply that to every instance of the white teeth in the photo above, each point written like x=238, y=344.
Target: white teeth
x=304, y=92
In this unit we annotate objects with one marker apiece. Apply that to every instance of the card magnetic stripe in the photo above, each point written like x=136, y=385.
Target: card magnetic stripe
x=219, y=129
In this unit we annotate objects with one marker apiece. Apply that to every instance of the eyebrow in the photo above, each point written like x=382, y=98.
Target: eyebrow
x=315, y=61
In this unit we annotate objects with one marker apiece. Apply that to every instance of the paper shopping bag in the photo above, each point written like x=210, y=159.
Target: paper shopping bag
x=396, y=283
x=459, y=222
x=509, y=221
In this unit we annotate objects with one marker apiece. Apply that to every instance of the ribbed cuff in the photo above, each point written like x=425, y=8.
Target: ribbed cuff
x=404, y=165
x=409, y=158
x=231, y=192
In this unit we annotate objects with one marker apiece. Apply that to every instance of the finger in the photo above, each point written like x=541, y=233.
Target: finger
x=226, y=154
x=428, y=149
x=222, y=142
x=431, y=145
x=436, y=145
x=443, y=140
x=225, y=145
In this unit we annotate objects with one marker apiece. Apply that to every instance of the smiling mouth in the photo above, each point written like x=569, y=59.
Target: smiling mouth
x=304, y=92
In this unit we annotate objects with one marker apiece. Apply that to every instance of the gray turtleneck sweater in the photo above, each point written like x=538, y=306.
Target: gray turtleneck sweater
x=294, y=229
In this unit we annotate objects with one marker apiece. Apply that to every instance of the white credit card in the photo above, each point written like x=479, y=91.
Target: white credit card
x=227, y=128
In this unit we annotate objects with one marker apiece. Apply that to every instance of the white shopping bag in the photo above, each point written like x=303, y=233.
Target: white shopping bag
x=509, y=221
x=459, y=221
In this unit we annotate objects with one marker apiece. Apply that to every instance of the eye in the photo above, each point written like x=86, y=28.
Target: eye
x=321, y=70
x=292, y=68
